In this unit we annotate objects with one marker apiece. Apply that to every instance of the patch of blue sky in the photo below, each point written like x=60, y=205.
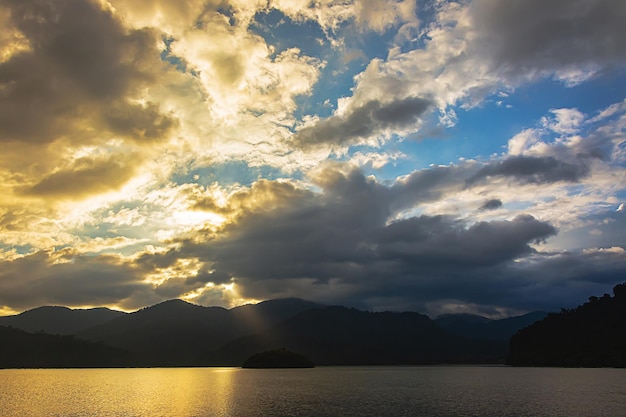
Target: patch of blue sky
x=518, y=206
x=485, y=130
x=19, y=249
x=372, y=45
x=406, y=155
x=588, y=97
x=576, y=189
x=225, y=11
x=167, y=56
x=283, y=33
x=336, y=81
x=337, y=77
x=228, y=174
x=342, y=65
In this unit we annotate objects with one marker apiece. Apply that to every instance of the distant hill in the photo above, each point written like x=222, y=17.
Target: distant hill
x=176, y=333
x=19, y=349
x=59, y=320
x=343, y=336
x=480, y=327
x=591, y=335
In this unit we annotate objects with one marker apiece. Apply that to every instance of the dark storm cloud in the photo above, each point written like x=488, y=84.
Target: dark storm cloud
x=81, y=65
x=143, y=123
x=361, y=122
x=38, y=279
x=561, y=280
x=340, y=245
x=426, y=185
x=343, y=239
x=438, y=241
x=86, y=177
x=532, y=170
x=528, y=35
x=205, y=276
x=540, y=281
x=491, y=205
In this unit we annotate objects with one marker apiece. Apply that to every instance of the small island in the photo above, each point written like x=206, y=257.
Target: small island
x=279, y=358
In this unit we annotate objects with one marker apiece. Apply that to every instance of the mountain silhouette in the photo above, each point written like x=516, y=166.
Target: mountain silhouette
x=591, y=335
x=20, y=349
x=177, y=333
x=344, y=336
x=480, y=327
x=60, y=320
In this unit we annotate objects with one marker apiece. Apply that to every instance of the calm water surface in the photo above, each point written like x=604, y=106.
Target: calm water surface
x=367, y=391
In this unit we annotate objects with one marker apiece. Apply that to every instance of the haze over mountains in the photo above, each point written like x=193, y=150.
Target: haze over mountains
x=480, y=327
x=177, y=333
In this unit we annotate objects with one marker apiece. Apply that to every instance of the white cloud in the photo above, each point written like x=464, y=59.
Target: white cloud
x=523, y=141
x=609, y=111
x=475, y=49
x=565, y=121
x=374, y=15
x=375, y=160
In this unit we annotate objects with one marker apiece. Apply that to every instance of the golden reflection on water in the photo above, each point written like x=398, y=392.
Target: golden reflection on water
x=320, y=392
x=181, y=392
x=124, y=392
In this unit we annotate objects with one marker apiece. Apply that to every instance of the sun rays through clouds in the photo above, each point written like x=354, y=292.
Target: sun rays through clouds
x=431, y=155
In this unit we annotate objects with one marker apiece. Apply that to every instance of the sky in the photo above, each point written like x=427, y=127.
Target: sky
x=435, y=156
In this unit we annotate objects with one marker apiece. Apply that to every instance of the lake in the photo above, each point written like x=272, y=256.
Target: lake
x=324, y=391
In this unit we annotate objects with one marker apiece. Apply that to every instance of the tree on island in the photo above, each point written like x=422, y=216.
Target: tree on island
x=280, y=358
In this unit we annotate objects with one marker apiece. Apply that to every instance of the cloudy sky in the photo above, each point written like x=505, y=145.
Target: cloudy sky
x=432, y=155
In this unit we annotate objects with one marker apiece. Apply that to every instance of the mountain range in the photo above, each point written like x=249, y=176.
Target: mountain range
x=60, y=320
x=177, y=333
